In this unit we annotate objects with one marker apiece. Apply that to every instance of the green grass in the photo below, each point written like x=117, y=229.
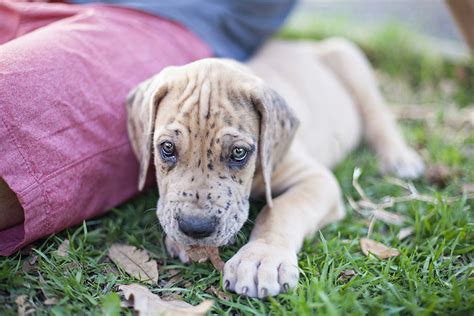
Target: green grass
x=433, y=274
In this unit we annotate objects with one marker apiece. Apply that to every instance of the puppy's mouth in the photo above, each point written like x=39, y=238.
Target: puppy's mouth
x=213, y=226
x=200, y=231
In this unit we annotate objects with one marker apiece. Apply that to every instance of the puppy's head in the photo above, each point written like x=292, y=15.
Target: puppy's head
x=210, y=125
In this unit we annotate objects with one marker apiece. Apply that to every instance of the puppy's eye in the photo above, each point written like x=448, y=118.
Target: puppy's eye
x=167, y=151
x=238, y=154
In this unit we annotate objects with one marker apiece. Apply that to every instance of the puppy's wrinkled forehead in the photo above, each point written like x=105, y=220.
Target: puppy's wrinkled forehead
x=207, y=107
x=207, y=93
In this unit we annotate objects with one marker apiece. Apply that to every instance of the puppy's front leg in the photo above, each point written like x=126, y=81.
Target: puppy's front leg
x=311, y=198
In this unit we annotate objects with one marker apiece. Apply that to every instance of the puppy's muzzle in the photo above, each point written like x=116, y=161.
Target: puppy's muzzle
x=196, y=226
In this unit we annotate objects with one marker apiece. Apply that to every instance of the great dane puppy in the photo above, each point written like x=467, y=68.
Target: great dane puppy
x=221, y=132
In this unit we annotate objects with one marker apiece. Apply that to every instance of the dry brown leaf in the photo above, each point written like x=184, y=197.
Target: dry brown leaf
x=218, y=293
x=173, y=276
x=389, y=217
x=148, y=304
x=170, y=296
x=27, y=250
x=405, y=232
x=111, y=269
x=453, y=117
x=135, y=262
x=176, y=278
x=63, y=249
x=468, y=188
x=30, y=264
x=438, y=174
x=380, y=250
x=216, y=261
x=51, y=301
x=23, y=307
x=346, y=275
x=198, y=253
x=126, y=304
x=204, y=253
x=467, y=151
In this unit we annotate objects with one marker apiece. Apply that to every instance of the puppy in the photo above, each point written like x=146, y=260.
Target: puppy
x=222, y=132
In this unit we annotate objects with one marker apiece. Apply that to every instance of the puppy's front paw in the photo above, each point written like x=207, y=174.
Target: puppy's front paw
x=404, y=163
x=177, y=250
x=259, y=270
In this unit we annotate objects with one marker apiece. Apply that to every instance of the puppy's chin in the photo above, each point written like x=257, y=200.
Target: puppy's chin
x=229, y=225
x=210, y=241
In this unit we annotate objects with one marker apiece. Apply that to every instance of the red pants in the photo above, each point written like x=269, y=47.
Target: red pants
x=65, y=71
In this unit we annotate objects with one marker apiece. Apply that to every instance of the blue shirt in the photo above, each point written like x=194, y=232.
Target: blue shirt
x=232, y=28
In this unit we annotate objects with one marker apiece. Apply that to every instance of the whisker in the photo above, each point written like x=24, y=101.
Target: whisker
x=152, y=225
x=250, y=221
x=150, y=209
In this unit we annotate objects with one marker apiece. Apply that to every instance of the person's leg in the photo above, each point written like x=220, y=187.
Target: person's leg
x=64, y=148
x=18, y=19
x=11, y=212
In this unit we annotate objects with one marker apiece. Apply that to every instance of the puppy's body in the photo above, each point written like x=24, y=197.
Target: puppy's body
x=330, y=123
x=219, y=131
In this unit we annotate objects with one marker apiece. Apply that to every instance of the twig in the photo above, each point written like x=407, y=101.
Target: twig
x=355, y=183
x=415, y=196
x=368, y=208
x=371, y=226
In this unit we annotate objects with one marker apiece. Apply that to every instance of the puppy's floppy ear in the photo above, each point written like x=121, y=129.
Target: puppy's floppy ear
x=278, y=125
x=142, y=104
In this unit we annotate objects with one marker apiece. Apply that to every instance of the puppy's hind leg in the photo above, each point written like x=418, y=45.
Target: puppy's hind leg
x=351, y=67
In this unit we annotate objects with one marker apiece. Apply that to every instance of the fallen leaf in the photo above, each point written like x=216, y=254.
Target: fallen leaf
x=204, y=253
x=412, y=112
x=51, y=301
x=346, y=275
x=72, y=265
x=63, y=249
x=389, y=217
x=174, y=279
x=453, y=117
x=170, y=278
x=32, y=260
x=23, y=307
x=218, y=293
x=126, y=304
x=29, y=264
x=217, y=261
x=110, y=269
x=198, y=253
x=135, y=262
x=405, y=232
x=468, y=188
x=26, y=251
x=380, y=250
x=170, y=296
x=173, y=272
x=149, y=304
x=467, y=151
x=438, y=174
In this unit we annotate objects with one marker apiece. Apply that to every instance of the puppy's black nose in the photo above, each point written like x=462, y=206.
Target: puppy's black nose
x=196, y=226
